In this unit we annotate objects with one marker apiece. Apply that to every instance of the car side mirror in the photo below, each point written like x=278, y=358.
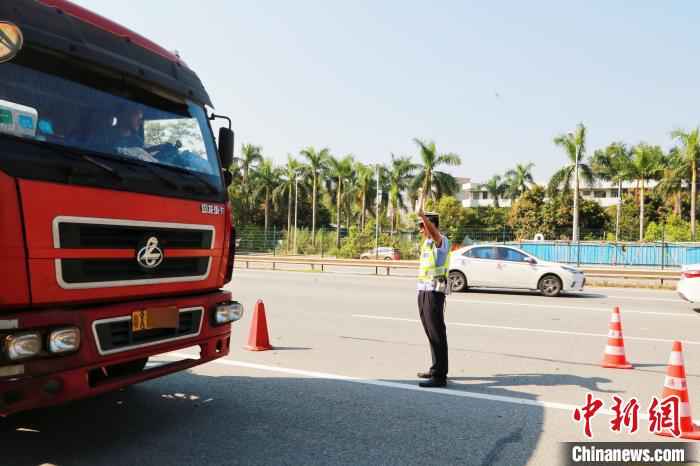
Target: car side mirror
x=226, y=147
x=531, y=260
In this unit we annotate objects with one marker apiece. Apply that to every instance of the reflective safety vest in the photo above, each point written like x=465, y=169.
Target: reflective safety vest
x=428, y=269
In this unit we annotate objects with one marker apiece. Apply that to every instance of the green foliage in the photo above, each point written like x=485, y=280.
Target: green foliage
x=359, y=241
x=524, y=217
x=532, y=214
x=454, y=218
x=654, y=211
x=675, y=229
x=325, y=242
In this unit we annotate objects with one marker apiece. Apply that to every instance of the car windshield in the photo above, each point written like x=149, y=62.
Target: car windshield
x=117, y=122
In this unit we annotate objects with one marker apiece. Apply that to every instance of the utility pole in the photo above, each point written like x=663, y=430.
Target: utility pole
x=575, y=232
x=296, y=202
x=376, y=226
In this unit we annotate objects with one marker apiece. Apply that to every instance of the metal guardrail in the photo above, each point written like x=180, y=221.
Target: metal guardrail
x=323, y=263
x=387, y=265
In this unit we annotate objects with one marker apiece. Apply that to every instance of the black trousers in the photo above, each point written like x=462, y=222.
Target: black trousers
x=431, y=305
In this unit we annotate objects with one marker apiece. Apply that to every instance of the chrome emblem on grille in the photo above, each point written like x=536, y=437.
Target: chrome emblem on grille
x=150, y=256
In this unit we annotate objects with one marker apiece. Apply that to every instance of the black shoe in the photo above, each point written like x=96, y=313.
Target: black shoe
x=434, y=383
x=425, y=375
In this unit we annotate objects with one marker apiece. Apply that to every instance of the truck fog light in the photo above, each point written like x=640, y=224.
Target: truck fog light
x=64, y=340
x=23, y=345
x=228, y=312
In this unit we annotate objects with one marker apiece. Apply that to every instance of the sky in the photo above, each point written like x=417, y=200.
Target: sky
x=494, y=82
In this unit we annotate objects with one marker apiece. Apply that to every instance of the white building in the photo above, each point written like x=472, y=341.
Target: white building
x=473, y=194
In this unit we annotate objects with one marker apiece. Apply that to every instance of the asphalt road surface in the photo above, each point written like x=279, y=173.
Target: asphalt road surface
x=340, y=387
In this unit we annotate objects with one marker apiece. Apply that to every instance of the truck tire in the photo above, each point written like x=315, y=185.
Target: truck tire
x=127, y=368
x=550, y=285
x=458, y=282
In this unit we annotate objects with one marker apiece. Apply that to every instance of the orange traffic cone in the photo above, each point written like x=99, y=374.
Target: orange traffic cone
x=614, y=356
x=258, y=339
x=675, y=384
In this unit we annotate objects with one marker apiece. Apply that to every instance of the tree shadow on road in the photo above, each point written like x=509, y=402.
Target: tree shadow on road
x=497, y=382
x=194, y=419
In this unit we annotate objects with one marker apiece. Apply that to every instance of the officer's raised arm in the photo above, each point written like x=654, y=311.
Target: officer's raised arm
x=431, y=229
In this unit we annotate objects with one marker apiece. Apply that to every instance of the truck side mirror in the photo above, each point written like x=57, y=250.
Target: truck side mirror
x=225, y=147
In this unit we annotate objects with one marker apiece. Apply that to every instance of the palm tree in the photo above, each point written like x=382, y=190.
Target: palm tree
x=339, y=171
x=520, y=179
x=647, y=164
x=613, y=164
x=496, y=187
x=675, y=173
x=690, y=148
x=364, y=180
x=286, y=187
x=400, y=172
x=266, y=178
x=574, y=144
x=316, y=162
x=251, y=156
x=432, y=182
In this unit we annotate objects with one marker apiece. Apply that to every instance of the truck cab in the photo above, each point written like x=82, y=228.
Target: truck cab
x=116, y=235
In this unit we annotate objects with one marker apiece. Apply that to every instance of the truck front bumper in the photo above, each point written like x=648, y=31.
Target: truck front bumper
x=49, y=380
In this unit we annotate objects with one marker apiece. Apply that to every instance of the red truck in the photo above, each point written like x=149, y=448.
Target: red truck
x=116, y=234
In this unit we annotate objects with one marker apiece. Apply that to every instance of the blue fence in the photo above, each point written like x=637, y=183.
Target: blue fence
x=622, y=254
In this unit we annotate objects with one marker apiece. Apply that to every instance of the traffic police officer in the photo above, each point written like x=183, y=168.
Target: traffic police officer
x=432, y=285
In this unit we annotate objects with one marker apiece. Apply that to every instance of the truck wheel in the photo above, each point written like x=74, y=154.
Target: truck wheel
x=550, y=285
x=127, y=368
x=458, y=282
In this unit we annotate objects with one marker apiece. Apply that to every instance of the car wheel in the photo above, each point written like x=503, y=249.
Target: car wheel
x=458, y=282
x=387, y=258
x=550, y=285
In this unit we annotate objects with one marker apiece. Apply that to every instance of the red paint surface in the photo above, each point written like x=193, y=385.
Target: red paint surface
x=72, y=371
x=44, y=201
x=14, y=284
x=108, y=25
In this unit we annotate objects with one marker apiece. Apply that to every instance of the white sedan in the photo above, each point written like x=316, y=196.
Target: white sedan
x=689, y=285
x=499, y=266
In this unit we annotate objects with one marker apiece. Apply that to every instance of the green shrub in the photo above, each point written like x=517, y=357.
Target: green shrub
x=675, y=229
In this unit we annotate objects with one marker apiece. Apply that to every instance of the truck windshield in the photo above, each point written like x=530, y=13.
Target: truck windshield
x=116, y=121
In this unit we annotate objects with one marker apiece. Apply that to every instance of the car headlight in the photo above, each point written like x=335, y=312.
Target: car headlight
x=570, y=269
x=64, y=340
x=23, y=345
x=228, y=312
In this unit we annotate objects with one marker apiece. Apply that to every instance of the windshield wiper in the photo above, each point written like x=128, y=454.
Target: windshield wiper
x=170, y=183
x=212, y=189
x=166, y=180
x=103, y=166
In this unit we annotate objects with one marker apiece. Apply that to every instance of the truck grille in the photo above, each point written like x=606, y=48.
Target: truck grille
x=80, y=271
x=98, y=233
x=95, y=236
x=115, y=335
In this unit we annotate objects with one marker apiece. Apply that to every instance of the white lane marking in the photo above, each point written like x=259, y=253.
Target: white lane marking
x=402, y=386
x=572, y=308
x=524, y=329
x=646, y=298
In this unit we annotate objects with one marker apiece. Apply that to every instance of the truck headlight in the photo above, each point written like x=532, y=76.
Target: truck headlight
x=23, y=345
x=228, y=312
x=64, y=340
